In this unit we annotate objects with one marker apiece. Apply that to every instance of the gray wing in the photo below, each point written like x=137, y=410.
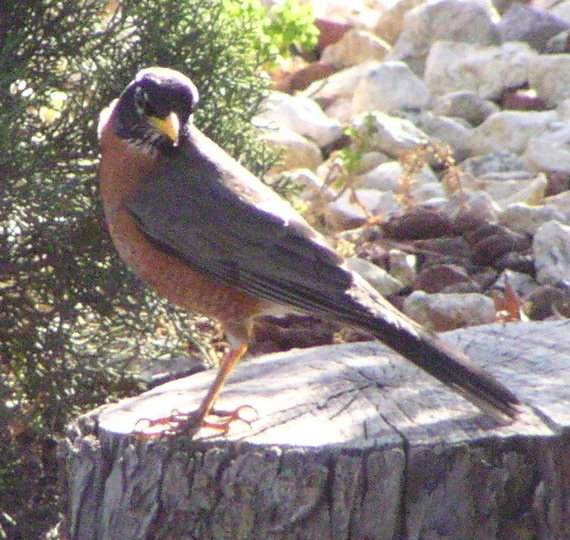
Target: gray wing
x=246, y=237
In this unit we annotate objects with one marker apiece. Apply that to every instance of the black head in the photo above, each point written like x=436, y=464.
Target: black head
x=154, y=109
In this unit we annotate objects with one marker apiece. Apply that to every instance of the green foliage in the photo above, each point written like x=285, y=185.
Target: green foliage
x=73, y=318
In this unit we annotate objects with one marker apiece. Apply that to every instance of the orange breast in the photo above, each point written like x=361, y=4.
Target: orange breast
x=121, y=168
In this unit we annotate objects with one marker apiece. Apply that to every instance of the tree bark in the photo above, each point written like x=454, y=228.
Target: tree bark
x=350, y=442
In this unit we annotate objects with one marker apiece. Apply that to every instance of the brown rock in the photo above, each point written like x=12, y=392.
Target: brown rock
x=558, y=182
x=330, y=32
x=539, y=304
x=434, y=279
x=417, y=224
x=301, y=79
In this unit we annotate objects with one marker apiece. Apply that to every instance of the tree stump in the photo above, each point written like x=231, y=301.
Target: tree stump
x=350, y=442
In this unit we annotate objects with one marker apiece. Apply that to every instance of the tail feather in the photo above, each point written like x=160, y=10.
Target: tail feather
x=433, y=355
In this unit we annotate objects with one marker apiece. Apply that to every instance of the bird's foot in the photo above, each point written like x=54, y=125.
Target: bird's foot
x=191, y=422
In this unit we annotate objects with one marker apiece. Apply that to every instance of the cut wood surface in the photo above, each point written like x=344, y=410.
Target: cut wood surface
x=349, y=442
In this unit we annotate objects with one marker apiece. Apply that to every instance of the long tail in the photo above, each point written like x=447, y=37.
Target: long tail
x=430, y=353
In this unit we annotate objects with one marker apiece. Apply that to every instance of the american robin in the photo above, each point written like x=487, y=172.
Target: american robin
x=209, y=236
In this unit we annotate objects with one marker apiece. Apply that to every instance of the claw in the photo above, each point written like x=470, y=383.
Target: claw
x=178, y=422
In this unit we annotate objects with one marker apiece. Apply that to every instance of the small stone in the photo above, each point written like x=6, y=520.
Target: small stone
x=442, y=312
x=388, y=177
x=488, y=71
x=390, y=87
x=417, y=224
x=389, y=24
x=550, y=151
x=330, y=32
x=313, y=186
x=493, y=246
x=436, y=278
x=549, y=75
x=558, y=182
x=522, y=283
x=403, y=266
x=527, y=219
x=539, y=303
x=470, y=211
x=301, y=115
x=551, y=247
x=458, y=20
x=304, y=77
x=355, y=46
x=296, y=151
x=482, y=166
x=562, y=204
x=463, y=104
x=388, y=134
x=513, y=261
x=381, y=280
x=510, y=131
x=530, y=25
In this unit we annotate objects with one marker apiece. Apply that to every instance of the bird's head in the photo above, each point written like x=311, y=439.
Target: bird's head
x=154, y=109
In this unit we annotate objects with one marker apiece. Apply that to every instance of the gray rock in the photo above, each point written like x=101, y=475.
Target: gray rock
x=381, y=280
x=509, y=131
x=499, y=162
x=442, y=311
x=533, y=26
x=488, y=71
x=549, y=75
x=389, y=24
x=562, y=203
x=551, y=247
x=390, y=87
x=296, y=151
x=527, y=219
x=464, y=104
x=467, y=21
x=355, y=47
x=387, y=177
x=550, y=151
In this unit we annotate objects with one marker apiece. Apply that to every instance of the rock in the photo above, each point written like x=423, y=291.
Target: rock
x=456, y=20
x=388, y=134
x=390, y=87
x=559, y=8
x=558, y=182
x=551, y=247
x=443, y=312
x=523, y=284
x=296, y=151
x=531, y=25
x=549, y=75
x=488, y=71
x=451, y=132
x=389, y=25
x=153, y=373
x=339, y=85
x=429, y=194
x=540, y=302
x=558, y=44
x=509, y=131
x=527, y=219
x=487, y=165
x=313, y=186
x=417, y=224
x=522, y=100
x=522, y=263
x=562, y=204
x=301, y=115
x=304, y=77
x=436, y=278
x=470, y=210
x=330, y=32
x=344, y=213
x=403, y=266
x=355, y=47
x=388, y=176
x=467, y=105
x=490, y=242
x=550, y=151
x=381, y=280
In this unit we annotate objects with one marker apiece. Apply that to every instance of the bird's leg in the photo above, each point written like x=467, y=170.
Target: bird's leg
x=192, y=421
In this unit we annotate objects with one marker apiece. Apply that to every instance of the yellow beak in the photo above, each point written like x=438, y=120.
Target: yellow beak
x=169, y=126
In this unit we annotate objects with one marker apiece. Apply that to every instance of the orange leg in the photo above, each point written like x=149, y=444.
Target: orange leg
x=194, y=420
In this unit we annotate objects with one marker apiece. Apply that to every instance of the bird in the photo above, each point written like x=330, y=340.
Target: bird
x=208, y=235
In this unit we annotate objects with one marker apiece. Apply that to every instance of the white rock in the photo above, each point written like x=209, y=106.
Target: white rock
x=550, y=151
x=297, y=151
x=313, y=186
x=344, y=213
x=301, y=115
x=509, y=131
x=551, y=247
x=389, y=134
x=562, y=203
x=446, y=311
x=381, y=280
x=340, y=109
x=355, y=47
x=467, y=105
x=340, y=84
x=389, y=25
x=506, y=192
x=527, y=219
x=457, y=20
x=388, y=176
x=428, y=194
x=523, y=284
x=478, y=204
x=403, y=266
x=488, y=71
x=549, y=75
x=390, y=87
